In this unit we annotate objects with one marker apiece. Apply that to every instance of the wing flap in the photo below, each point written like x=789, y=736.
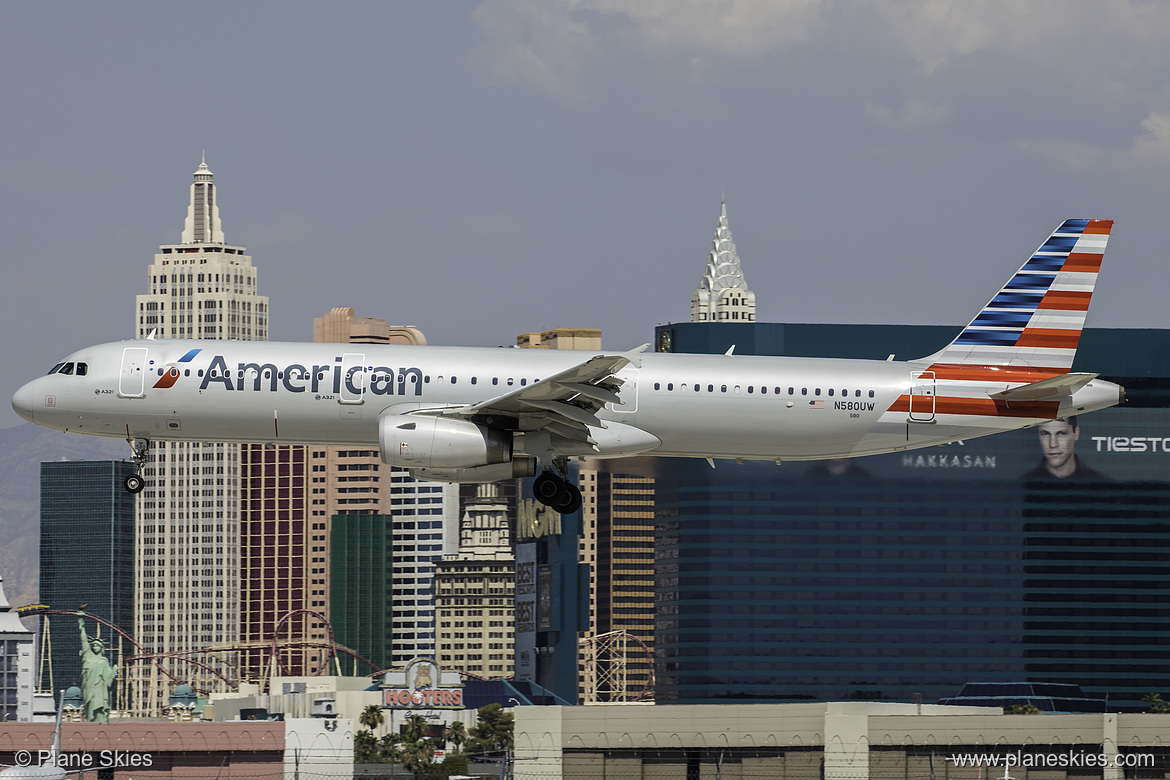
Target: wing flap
x=565, y=404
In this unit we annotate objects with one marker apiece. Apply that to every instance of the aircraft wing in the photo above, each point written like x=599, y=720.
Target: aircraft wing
x=564, y=404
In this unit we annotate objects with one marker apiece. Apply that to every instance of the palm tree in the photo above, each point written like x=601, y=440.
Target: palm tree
x=390, y=748
x=415, y=729
x=456, y=734
x=365, y=747
x=417, y=754
x=372, y=717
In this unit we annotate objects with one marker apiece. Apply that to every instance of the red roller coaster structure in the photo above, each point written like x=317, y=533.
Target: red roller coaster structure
x=275, y=646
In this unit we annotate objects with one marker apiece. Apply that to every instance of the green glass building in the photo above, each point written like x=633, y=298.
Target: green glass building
x=361, y=598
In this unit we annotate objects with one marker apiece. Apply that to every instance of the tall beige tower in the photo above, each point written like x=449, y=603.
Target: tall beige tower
x=187, y=520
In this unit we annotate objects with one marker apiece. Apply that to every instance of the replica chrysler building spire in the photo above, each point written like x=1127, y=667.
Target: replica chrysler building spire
x=723, y=294
x=202, y=225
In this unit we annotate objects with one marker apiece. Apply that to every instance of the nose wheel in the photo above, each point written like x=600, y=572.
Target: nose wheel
x=556, y=492
x=134, y=483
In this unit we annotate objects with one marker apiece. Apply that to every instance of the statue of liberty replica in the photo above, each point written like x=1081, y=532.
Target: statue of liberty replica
x=97, y=675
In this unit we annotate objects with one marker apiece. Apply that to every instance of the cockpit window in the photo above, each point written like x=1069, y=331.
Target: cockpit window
x=68, y=368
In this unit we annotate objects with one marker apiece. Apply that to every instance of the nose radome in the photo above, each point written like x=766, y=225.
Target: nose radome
x=22, y=402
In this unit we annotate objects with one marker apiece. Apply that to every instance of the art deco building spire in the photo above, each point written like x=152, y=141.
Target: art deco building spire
x=723, y=294
x=202, y=225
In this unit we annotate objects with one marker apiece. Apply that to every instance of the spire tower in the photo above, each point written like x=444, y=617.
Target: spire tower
x=723, y=294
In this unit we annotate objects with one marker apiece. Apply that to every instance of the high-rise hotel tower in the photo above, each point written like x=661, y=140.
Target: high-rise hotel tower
x=187, y=519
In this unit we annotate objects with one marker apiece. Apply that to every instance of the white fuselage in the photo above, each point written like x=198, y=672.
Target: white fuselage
x=671, y=404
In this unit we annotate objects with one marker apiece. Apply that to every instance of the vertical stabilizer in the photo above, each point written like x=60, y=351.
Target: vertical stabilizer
x=1036, y=319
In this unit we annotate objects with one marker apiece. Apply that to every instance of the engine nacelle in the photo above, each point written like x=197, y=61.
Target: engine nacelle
x=421, y=441
x=521, y=466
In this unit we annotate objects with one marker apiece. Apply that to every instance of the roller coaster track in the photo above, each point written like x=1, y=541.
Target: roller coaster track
x=274, y=645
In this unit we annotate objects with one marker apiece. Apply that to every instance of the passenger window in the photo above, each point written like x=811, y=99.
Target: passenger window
x=817, y=391
x=830, y=391
x=670, y=385
x=495, y=380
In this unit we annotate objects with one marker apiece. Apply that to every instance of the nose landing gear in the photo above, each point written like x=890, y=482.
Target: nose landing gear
x=134, y=483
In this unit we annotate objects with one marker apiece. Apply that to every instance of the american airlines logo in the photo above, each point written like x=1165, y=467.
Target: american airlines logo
x=296, y=378
x=171, y=375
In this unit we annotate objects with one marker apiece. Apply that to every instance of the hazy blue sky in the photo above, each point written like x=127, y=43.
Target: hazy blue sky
x=483, y=169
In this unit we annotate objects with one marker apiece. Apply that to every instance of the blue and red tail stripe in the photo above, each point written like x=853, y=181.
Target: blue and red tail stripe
x=1037, y=317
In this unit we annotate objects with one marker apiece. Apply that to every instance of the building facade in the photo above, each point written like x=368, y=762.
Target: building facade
x=474, y=591
x=723, y=294
x=16, y=664
x=618, y=547
x=910, y=574
x=188, y=518
x=87, y=557
x=422, y=520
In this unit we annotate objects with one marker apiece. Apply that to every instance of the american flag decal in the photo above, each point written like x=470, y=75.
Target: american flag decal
x=816, y=404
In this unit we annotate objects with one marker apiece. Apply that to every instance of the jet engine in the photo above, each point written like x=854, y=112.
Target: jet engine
x=425, y=442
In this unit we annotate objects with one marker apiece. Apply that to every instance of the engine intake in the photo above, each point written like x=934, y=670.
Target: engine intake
x=423, y=441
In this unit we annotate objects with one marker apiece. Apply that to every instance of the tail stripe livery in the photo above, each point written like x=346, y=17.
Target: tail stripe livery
x=1035, y=321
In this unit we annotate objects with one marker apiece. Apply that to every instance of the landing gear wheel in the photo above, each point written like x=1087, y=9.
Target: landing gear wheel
x=570, y=501
x=546, y=488
x=553, y=491
x=134, y=483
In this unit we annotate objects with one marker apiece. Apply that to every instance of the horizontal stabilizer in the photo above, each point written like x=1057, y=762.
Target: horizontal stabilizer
x=1055, y=387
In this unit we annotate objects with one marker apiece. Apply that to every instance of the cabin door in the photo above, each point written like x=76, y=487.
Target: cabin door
x=922, y=396
x=132, y=377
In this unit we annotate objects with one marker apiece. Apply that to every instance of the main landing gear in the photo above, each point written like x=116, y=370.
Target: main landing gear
x=134, y=483
x=555, y=491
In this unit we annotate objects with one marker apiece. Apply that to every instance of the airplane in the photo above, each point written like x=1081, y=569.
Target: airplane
x=462, y=414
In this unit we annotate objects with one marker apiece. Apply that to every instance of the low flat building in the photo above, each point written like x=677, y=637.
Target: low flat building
x=834, y=741
x=158, y=750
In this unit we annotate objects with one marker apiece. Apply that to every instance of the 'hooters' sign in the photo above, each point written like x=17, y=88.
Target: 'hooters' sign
x=422, y=684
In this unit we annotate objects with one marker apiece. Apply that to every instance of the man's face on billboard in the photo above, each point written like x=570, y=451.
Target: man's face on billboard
x=1058, y=441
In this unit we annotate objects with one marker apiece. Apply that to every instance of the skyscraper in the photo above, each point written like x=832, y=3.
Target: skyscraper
x=419, y=523
x=723, y=294
x=87, y=553
x=474, y=590
x=187, y=519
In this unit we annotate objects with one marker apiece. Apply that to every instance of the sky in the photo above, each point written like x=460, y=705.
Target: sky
x=483, y=169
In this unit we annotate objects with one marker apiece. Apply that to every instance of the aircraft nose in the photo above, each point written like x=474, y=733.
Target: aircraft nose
x=22, y=402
